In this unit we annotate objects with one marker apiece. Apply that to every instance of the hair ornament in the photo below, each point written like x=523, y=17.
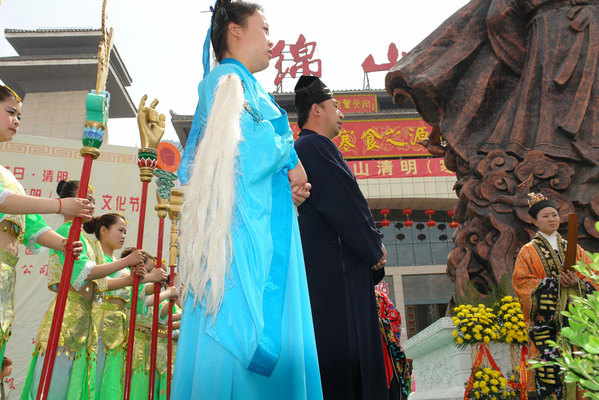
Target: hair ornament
x=13, y=93
x=537, y=202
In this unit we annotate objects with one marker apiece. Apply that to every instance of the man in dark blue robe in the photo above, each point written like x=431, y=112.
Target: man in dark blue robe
x=343, y=253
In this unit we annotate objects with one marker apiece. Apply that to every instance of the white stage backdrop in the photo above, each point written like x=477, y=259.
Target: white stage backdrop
x=39, y=164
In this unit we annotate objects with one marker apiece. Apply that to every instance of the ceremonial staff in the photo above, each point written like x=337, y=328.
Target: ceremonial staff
x=175, y=203
x=571, y=244
x=96, y=105
x=151, y=128
x=165, y=182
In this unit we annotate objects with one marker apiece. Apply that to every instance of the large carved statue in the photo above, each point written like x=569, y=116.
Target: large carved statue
x=511, y=88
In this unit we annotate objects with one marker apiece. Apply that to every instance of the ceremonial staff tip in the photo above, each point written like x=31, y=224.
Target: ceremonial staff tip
x=151, y=128
x=97, y=104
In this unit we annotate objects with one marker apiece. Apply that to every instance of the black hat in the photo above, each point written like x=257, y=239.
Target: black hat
x=310, y=90
x=537, y=202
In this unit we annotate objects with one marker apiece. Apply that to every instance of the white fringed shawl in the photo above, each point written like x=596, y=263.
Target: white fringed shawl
x=206, y=215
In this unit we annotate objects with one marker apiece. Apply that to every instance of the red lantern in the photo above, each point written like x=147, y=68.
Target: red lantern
x=407, y=212
x=453, y=224
x=385, y=222
x=429, y=213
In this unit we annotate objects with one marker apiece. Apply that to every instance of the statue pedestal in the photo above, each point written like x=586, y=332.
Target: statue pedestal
x=440, y=368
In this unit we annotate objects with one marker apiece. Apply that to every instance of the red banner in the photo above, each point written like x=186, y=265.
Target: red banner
x=404, y=168
x=380, y=138
x=357, y=103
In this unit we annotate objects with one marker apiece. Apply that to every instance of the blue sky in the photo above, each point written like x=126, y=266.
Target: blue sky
x=160, y=41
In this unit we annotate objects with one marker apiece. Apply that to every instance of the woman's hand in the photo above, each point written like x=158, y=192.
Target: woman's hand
x=300, y=188
x=77, y=248
x=569, y=279
x=301, y=194
x=139, y=270
x=74, y=207
x=135, y=258
x=173, y=294
x=156, y=275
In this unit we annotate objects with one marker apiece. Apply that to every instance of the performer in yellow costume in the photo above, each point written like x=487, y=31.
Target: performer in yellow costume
x=70, y=379
x=15, y=228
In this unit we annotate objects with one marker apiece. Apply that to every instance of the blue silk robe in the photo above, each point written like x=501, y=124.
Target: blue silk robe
x=261, y=344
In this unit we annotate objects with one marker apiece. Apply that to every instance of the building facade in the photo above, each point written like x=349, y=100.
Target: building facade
x=402, y=179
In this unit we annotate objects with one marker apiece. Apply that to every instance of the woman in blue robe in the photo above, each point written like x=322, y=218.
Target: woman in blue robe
x=246, y=329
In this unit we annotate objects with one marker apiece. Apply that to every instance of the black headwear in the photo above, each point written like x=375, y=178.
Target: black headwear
x=310, y=90
x=537, y=202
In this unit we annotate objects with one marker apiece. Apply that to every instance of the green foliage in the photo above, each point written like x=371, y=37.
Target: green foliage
x=473, y=296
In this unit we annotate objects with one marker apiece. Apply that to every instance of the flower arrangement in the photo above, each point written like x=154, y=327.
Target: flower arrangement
x=512, y=328
x=488, y=384
x=474, y=324
x=502, y=323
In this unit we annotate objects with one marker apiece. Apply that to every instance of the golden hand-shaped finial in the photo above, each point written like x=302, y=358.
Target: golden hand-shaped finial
x=151, y=124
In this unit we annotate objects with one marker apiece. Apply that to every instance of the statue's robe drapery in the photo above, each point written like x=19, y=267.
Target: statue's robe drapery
x=515, y=75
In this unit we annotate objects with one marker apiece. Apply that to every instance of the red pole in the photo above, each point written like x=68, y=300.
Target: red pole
x=135, y=290
x=155, y=312
x=169, y=348
x=151, y=129
x=63, y=288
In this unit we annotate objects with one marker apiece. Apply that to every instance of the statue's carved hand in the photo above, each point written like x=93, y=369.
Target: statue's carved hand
x=151, y=124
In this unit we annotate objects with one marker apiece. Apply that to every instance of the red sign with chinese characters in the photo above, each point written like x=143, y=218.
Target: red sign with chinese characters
x=386, y=138
x=404, y=168
x=357, y=103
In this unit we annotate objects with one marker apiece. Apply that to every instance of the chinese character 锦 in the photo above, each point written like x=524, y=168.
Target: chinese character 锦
x=302, y=53
x=409, y=167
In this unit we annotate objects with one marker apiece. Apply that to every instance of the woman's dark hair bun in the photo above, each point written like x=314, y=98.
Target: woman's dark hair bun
x=67, y=189
x=60, y=186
